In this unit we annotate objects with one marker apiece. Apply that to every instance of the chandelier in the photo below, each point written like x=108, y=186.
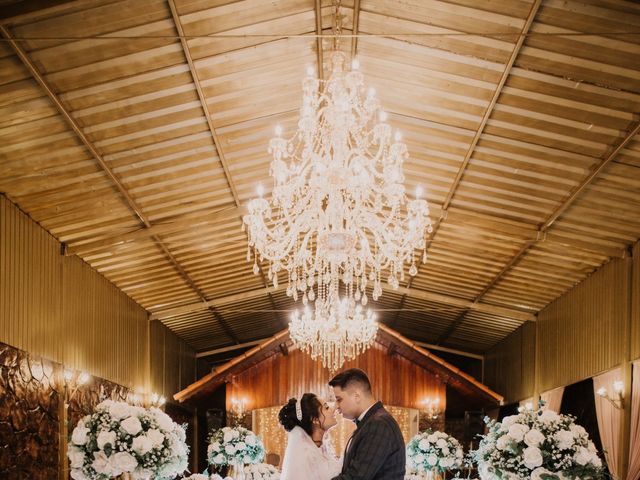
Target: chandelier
x=338, y=214
x=339, y=222
x=335, y=335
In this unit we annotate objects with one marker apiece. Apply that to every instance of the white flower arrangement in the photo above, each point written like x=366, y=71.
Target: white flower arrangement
x=120, y=438
x=234, y=446
x=537, y=445
x=261, y=471
x=435, y=451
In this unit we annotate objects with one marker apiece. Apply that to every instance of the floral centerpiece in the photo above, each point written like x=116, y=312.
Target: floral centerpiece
x=261, y=471
x=537, y=445
x=234, y=447
x=119, y=438
x=433, y=452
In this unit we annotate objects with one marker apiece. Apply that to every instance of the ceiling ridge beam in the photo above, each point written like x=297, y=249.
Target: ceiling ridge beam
x=609, y=157
x=99, y=158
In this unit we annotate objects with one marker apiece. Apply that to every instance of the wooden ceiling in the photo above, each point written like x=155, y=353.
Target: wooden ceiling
x=135, y=131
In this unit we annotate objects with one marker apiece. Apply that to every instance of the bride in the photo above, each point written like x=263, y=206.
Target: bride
x=309, y=453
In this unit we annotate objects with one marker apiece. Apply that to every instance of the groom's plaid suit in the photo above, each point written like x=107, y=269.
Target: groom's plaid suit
x=376, y=450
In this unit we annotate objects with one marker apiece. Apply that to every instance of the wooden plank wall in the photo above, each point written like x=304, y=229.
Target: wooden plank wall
x=273, y=381
x=584, y=332
x=173, y=361
x=510, y=365
x=59, y=308
x=635, y=304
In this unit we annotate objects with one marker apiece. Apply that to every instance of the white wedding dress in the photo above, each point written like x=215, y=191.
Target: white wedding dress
x=304, y=460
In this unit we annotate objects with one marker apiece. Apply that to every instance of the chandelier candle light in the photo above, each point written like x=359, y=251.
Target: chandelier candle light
x=338, y=216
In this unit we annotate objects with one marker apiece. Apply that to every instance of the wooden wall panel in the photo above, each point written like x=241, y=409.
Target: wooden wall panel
x=584, y=332
x=60, y=308
x=278, y=378
x=172, y=361
x=635, y=304
x=510, y=365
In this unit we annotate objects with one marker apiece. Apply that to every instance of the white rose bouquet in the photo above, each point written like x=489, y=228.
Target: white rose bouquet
x=435, y=451
x=537, y=445
x=261, y=471
x=120, y=438
x=234, y=446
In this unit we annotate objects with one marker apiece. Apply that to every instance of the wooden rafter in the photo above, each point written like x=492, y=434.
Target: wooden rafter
x=410, y=292
x=356, y=27
x=103, y=165
x=216, y=140
x=162, y=228
x=548, y=223
x=474, y=142
x=516, y=230
x=319, y=53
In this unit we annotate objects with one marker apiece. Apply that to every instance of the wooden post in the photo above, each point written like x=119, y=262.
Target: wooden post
x=63, y=460
x=626, y=374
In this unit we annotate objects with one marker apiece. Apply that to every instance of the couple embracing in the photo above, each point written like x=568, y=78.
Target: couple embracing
x=375, y=451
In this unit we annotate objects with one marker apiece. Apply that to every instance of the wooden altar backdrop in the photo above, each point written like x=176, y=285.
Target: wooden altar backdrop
x=402, y=374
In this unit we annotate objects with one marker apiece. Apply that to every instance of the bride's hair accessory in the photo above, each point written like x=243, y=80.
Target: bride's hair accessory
x=299, y=410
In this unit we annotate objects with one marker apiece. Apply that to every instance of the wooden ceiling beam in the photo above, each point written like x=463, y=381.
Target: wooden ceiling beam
x=114, y=179
x=410, y=292
x=22, y=55
x=504, y=228
x=203, y=101
x=356, y=26
x=163, y=228
x=216, y=140
x=535, y=6
x=319, y=53
x=614, y=151
x=476, y=137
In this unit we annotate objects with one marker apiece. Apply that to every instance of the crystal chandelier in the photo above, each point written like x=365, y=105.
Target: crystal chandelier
x=333, y=336
x=338, y=215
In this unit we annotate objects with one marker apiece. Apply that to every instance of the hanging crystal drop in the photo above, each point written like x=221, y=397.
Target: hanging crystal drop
x=413, y=270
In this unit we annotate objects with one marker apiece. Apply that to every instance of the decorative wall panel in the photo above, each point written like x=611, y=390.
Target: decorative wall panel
x=274, y=380
x=29, y=426
x=32, y=394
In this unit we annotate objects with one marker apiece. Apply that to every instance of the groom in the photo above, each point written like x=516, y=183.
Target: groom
x=376, y=449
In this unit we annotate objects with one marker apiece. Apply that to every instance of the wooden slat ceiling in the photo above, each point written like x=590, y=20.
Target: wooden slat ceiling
x=136, y=138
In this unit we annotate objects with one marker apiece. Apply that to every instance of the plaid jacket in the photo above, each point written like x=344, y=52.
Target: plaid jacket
x=376, y=450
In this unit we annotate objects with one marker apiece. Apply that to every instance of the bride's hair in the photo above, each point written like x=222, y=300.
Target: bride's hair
x=310, y=406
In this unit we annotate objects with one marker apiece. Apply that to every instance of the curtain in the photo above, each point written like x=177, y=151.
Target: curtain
x=609, y=418
x=523, y=403
x=553, y=399
x=634, y=445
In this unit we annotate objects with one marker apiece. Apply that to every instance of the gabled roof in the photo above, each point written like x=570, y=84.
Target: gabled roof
x=462, y=382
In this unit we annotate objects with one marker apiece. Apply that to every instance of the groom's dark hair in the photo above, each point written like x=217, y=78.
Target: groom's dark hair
x=349, y=377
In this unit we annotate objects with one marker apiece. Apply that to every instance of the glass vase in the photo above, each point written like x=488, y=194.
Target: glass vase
x=236, y=471
x=434, y=474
